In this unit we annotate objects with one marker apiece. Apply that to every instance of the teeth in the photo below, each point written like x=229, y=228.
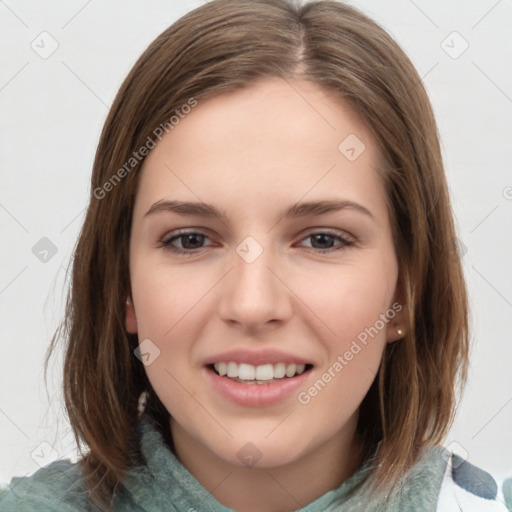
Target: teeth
x=232, y=370
x=279, y=370
x=262, y=372
x=290, y=370
x=246, y=371
x=222, y=368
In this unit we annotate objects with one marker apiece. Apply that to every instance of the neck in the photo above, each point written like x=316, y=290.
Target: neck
x=283, y=488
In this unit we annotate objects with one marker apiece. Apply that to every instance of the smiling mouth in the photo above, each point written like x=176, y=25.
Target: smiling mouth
x=261, y=374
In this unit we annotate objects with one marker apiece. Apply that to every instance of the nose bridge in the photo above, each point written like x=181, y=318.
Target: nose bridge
x=254, y=295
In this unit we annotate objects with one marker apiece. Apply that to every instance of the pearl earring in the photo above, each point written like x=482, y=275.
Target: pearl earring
x=400, y=332
x=128, y=301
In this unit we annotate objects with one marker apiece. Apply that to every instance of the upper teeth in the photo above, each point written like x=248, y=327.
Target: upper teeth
x=263, y=372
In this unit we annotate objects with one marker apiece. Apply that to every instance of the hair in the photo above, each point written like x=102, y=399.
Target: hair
x=227, y=45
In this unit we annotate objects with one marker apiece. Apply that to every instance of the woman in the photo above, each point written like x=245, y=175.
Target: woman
x=304, y=354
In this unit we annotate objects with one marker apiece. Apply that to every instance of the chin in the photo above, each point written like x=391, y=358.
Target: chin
x=261, y=453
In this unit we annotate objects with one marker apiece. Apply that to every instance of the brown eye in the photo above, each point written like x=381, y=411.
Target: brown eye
x=191, y=242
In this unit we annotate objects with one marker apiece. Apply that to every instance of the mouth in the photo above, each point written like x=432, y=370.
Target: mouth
x=245, y=373
x=257, y=379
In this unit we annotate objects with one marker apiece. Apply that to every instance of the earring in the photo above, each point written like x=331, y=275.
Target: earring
x=399, y=332
x=129, y=301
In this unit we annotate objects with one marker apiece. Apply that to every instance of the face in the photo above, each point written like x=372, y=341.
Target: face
x=263, y=282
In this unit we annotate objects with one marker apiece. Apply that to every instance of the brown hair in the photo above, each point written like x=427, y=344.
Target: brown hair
x=223, y=46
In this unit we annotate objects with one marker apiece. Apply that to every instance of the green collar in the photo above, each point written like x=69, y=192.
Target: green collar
x=165, y=484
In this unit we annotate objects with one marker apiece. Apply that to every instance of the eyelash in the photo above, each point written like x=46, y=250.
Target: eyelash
x=345, y=242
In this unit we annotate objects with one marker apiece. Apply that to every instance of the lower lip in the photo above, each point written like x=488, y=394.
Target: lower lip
x=256, y=395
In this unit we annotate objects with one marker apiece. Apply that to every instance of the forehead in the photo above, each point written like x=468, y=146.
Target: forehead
x=273, y=142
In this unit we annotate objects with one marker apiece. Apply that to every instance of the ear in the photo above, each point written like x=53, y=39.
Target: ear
x=130, y=318
x=397, y=314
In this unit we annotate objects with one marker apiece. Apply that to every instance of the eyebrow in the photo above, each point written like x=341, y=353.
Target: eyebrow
x=305, y=209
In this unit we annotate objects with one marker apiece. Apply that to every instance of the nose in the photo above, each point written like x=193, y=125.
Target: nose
x=254, y=295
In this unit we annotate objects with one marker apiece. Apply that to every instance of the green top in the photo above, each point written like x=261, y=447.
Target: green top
x=164, y=484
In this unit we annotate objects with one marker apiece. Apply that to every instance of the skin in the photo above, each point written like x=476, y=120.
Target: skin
x=253, y=153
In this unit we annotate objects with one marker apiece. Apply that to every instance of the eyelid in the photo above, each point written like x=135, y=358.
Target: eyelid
x=176, y=234
x=329, y=231
x=310, y=231
x=347, y=240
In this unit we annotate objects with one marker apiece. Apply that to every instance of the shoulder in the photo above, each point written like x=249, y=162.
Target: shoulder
x=56, y=487
x=468, y=488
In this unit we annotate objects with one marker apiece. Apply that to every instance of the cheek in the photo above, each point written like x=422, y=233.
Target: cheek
x=167, y=304
x=350, y=299
x=163, y=299
x=354, y=306
x=354, y=339
x=172, y=309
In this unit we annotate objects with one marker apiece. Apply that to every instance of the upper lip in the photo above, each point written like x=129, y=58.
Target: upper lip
x=256, y=358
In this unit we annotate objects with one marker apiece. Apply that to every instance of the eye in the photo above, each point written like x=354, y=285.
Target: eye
x=322, y=241
x=191, y=242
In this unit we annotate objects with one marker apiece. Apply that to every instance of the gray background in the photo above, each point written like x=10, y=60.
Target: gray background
x=53, y=109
